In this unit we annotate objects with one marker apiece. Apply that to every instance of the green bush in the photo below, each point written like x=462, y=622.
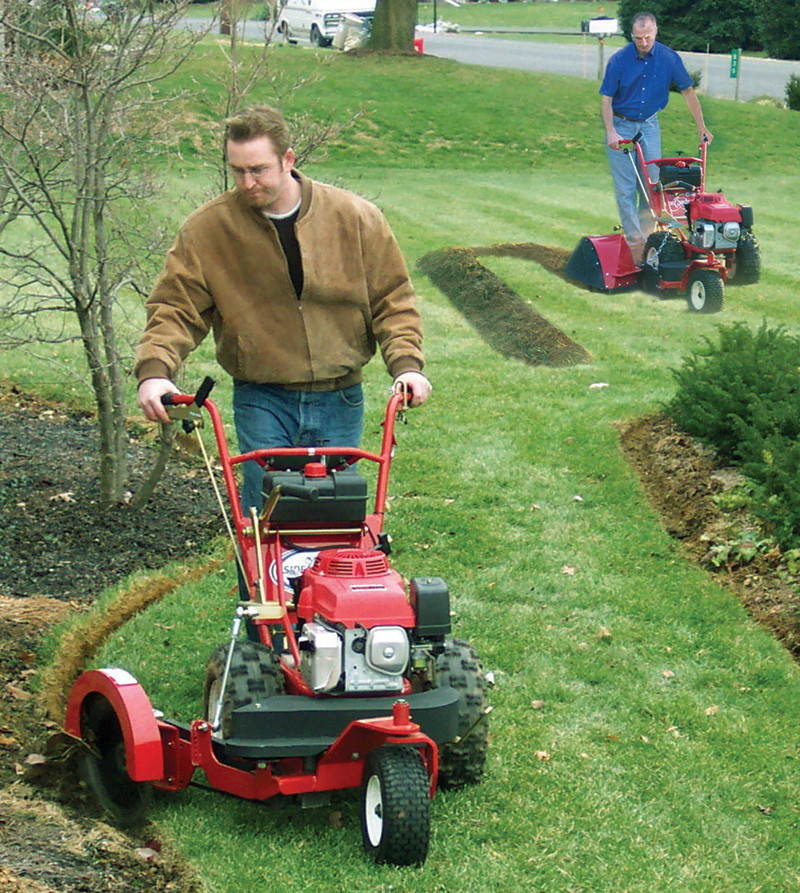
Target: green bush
x=742, y=396
x=696, y=76
x=793, y=93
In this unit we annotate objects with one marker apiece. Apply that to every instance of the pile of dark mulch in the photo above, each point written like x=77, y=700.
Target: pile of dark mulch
x=56, y=539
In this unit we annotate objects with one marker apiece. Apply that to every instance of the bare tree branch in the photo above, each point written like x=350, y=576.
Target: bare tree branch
x=78, y=121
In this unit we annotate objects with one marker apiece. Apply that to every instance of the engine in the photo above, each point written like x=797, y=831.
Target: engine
x=354, y=660
x=715, y=224
x=361, y=633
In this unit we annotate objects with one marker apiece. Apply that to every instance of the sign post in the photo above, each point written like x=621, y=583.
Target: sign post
x=735, y=59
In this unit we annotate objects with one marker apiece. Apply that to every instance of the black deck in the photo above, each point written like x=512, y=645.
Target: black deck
x=294, y=725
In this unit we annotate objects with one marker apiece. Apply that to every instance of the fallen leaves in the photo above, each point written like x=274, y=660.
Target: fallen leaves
x=66, y=496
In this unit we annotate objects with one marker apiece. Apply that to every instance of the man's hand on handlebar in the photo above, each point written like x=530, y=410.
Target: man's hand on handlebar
x=151, y=390
x=415, y=385
x=614, y=140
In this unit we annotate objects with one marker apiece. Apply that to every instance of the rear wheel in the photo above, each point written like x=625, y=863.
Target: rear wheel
x=316, y=37
x=705, y=291
x=395, y=806
x=461, y=762
x=254, y=676
x=660, y=248
x=745, y=267
x=104, y=767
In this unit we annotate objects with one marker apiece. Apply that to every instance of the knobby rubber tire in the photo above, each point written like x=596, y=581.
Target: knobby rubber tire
x=103, y=766
x=660, y=247
x=255, y=675
x=745, y=268
x=395, y=806
x=705, y=291
x=462, y=762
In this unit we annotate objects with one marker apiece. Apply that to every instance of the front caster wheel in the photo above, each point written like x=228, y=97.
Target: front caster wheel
x=104, y=766
x=395, y=806
x=705, y=291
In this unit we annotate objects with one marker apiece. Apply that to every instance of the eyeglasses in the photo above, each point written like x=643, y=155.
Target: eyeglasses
x=257, y=172
x=643, y=36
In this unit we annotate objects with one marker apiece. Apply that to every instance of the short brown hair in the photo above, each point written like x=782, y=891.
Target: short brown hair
x=252, y=123
x=644, y=17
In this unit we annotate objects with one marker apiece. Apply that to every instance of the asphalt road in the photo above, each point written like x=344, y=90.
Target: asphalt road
x=581, y=57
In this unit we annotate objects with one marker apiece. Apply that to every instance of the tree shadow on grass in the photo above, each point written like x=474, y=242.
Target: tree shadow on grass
x=503, y=319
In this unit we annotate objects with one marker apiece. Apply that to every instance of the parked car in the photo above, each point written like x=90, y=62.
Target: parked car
x=318, y=20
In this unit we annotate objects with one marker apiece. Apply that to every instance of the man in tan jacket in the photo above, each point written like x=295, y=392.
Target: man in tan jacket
x=299, y=282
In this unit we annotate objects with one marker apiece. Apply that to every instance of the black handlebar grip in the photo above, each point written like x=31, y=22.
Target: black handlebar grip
x=299, y=492
x=204, y=390
x=167, y=400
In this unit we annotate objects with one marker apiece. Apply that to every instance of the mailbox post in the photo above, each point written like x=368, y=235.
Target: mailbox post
x=601, y=27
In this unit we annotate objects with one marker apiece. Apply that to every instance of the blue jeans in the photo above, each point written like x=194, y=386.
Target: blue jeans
x=634, y=212
x=269, y=416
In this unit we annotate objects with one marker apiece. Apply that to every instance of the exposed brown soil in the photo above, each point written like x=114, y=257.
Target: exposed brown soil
x=682, y=479
x=503, y=319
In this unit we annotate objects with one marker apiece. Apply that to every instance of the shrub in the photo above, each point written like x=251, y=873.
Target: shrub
x=742, y=397
x=696, y=76
x=793, y=93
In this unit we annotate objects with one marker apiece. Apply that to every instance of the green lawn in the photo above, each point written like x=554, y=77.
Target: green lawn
x=644, y=736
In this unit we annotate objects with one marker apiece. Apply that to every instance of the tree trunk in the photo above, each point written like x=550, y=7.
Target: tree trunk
x=393, y=25
x=110, y=484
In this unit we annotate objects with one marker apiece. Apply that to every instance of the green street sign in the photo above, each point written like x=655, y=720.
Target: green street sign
x=735, y=62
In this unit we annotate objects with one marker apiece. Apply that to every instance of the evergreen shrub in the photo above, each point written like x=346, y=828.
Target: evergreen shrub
x=793, y=93
x=696, y=76
x=742, y=397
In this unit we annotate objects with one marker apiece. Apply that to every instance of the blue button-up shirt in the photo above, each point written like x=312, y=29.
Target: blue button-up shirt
x=639, y=88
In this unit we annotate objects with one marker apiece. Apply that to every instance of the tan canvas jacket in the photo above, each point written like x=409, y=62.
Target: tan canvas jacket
x=226, y=272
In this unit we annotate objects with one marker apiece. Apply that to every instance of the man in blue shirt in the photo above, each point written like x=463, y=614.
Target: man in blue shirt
x=634, y=90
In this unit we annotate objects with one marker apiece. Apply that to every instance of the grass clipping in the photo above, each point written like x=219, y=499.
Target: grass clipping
x=502, y=318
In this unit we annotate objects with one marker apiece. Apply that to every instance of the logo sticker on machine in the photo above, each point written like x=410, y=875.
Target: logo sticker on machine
x=295, y=561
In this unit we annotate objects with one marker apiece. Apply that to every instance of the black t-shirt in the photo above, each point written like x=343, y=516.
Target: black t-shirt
x=291, y=248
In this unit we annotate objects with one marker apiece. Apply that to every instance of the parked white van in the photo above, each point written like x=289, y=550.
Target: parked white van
x=317, y=20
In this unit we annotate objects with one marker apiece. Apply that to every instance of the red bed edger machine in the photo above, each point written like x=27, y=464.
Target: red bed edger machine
x=700, y=241
x=355, y=680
